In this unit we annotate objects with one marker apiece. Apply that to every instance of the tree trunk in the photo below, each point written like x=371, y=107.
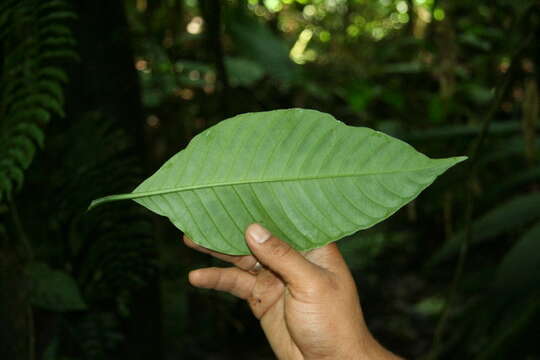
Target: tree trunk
x=105, y=80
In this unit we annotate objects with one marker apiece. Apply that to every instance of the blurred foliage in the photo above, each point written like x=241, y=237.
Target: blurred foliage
x=453, y=275
x=36, y=39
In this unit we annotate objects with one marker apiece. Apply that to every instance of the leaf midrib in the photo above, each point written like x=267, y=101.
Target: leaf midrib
x=136, y=195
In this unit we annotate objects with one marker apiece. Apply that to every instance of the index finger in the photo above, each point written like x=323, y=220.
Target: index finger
x=244, y=262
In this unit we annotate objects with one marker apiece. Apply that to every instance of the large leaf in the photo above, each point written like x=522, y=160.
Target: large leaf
x=519, y=271
x=514, y=181
x=54, y=289
x=306, y=176
x=257, y=42
x=512, y=214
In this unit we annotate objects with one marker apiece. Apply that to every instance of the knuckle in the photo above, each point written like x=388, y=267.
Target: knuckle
x=245, y=263
x=322, y=285
x=218, y=281
x=279, y=249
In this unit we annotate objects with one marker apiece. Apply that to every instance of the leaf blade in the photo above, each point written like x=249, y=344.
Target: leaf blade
x=276, y=168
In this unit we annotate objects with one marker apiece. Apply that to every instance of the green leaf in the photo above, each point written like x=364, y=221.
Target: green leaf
x=31, y=131
x=51, y=351
x=53, y=289
x=5, y=184
x=21, y=159
x=453, y=132
x=59, y=54
x=52, y=4
x=17, y=175
x=54, y=73
x=413, y=67
x=361, y=95
x=520, y=269
x=53, y=88
x=511, y=215
x=306, y=176
x=243, y=72
x=33, y=114
x=65, y=41
x=510, y=331
x=58, y=15
x=40, y=99
x=256, y=41
x=56, y=29
x=518, y=180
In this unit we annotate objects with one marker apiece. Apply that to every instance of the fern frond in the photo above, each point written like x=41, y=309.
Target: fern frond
x=54, y=4
x=43, y=100
x=53, y=73
x=55, y=29
x=22, y=145
x=37, y=115
x=32, y=80
x=12, y=171
x=52, y=88
x=59, y=55
x=5, y=185
x=21, y=158
x=30, y=131
x=58, y=16
x=58, y=41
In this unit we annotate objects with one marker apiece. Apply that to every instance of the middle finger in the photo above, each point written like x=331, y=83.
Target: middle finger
x=244, y=262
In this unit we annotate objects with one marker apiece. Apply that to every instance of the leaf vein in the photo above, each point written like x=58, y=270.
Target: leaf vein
x=137, y=195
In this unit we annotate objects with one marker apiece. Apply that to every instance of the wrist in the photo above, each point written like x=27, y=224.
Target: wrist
x=373, y=350
x=368, y=348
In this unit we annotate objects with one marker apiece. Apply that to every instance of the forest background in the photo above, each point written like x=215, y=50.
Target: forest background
x=96, y=95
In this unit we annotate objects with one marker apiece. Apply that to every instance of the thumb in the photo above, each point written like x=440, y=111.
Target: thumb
x=279, y=256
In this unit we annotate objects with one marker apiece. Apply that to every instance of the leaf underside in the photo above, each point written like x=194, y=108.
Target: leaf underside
x=307, y=177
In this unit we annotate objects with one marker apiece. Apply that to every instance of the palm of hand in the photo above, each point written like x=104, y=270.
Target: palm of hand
x=299, y=319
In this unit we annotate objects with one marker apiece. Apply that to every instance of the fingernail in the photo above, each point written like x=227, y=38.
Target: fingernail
x=258, y=233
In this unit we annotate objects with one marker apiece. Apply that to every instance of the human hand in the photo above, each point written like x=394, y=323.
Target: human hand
x=308, y=306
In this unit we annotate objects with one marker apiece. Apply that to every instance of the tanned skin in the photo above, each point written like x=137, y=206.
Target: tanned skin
x=307, y=304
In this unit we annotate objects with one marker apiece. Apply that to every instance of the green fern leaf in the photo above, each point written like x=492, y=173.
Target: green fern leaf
x=24, y=144
x=54, y=4
x=12, y=171
x=13, y=96
x=38, y=115
x=53, y=73
x=31, y=83
x=19, y=156
x=5, y=185
x=32, y=131
x=60, y=15
x=17, y=175
x=56, y=29
x=15, y=85
x=44, y=100
x=59, y=55
x=58, y=41
x=52, y=88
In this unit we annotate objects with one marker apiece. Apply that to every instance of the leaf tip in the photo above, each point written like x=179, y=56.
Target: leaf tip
x=459, y=159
